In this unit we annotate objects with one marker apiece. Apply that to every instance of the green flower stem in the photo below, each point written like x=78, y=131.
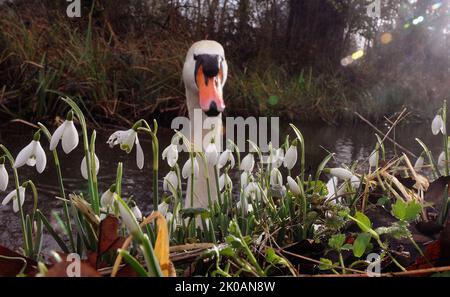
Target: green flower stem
x=192, y=156
x=26, y=240
x=93, y=170
x=80, y=116
x=216, y=176
x=61, y=188
x=155, y=149
x=35, y=196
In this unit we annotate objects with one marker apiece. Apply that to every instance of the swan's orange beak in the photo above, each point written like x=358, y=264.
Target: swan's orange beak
x=210, y=93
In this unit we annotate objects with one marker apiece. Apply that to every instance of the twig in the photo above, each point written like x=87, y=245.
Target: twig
x=388, y=274
x=385, y=136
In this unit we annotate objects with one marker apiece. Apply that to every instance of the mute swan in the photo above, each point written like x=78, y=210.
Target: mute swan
x=204, y=75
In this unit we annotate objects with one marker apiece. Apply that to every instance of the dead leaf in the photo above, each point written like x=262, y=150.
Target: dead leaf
x=12, y=266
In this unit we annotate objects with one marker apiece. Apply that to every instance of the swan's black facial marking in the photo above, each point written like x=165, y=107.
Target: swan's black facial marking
x=210, y=65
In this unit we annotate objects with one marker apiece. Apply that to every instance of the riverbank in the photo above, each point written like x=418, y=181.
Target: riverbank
x=120, y=76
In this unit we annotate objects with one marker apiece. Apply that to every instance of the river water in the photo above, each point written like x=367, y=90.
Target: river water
x=349, y=143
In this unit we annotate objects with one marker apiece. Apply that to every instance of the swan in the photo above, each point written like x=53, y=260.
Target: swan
x=205, y=73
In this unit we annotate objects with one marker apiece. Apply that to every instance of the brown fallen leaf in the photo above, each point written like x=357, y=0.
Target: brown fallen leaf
x=11, y=263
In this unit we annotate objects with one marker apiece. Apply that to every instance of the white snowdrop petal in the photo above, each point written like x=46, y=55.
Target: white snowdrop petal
x=41, y=158
x=373, y=159
x=139, y=155
x=57, y=135
x=25, y=154
x=70, y=137
x=419, y=164
x=4, y=178
x=341, y=173
x=290, y=158
x=107, y=199
x=437, y=125
x=83, y=168
x=293, y=186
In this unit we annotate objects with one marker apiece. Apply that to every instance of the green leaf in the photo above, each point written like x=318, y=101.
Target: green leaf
x=275, y=259
x=336, y=241
x=406, y=211
x=363, y=222
x=361, y=243
x=326, y=264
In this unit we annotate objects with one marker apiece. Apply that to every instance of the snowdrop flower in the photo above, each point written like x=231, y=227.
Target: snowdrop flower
x=128, y=218
x=107, y=199
x=225, y=179
x=248, y=163
x=276, y=158
x=32, y=155
x=211, y=154
x=291, y=157
x=441, y=160
x=244, y=179
x=170, y=183
x=136, y=212
x=3, y=175
x=355, y=181
x=171, y=153
x=419, y=164
x=252, y=190
x=226, y=156
x=126, y=140
x=331, y=187
x=83, y=168
x=341, y=173
x=13, y=196
x=186, y=171
x=437, y=125
x=373, y=159
x=276, y=179
x=170, y=218
x=249, y=206
x=293, y=186
x=163, y=207
x=68, y=135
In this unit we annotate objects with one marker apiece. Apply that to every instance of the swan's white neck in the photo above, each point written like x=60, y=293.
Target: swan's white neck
x=202, y=128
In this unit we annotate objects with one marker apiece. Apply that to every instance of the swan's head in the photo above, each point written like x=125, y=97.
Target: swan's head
x=204, y=74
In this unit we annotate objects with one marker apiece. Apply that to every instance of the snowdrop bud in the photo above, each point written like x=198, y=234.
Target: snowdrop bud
x=341, y=173
x=186, y=171
x=437, y=125
x=128, y=218
x=170, y=183
x=83, y=167
x=211, y=154
x=293, y=186
x=4, y=178
x=107, y=198
x=291, y=157
x=373, y=159
x=248, y=163
x=136, y=212
x=419, y=164
x=171, y=153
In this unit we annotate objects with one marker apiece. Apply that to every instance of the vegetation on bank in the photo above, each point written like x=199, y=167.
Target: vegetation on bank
x=270, y=223
x=118, y=65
